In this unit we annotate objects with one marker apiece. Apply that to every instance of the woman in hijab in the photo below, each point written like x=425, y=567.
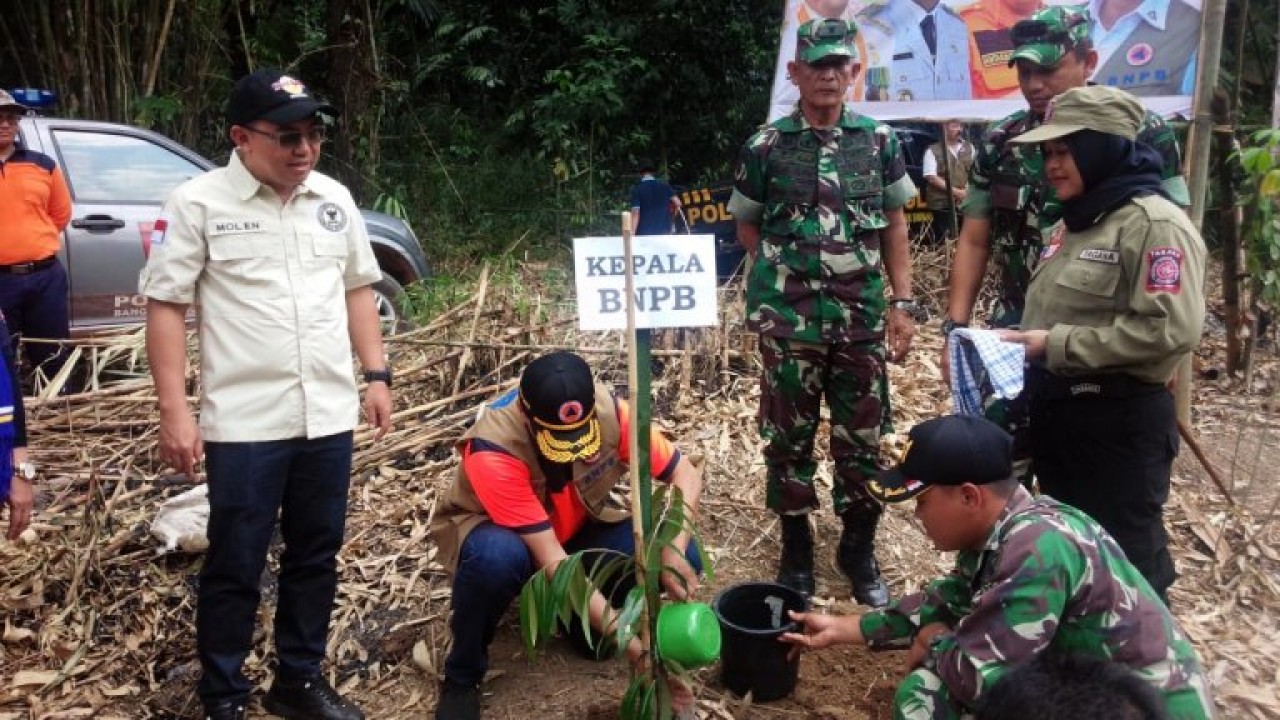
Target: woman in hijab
x=1116, y=300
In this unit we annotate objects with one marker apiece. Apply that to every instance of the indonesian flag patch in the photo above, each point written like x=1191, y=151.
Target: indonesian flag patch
x=1164, y=270
x=1055, y=242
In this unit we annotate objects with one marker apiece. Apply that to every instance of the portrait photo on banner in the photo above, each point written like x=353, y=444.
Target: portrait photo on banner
x=935, y=58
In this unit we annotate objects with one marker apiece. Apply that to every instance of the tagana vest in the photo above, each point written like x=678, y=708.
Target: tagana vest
x=504, y=423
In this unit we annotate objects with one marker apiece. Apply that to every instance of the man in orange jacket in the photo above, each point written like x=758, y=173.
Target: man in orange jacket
x=990, y=45
x=36, y=206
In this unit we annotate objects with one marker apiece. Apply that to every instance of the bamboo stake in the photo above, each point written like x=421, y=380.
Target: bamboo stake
x=475, y=321
x=638, y=465
x=1190, y=439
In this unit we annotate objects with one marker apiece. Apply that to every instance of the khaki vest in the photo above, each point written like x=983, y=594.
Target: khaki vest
x=959, y=165
x=600, y=484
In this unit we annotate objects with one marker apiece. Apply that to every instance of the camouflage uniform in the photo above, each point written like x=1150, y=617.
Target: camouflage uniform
x=815, y=294
x=1007, y=186
x=1049, y=578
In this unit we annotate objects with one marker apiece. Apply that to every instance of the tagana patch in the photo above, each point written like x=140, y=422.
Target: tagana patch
x=1164, y=270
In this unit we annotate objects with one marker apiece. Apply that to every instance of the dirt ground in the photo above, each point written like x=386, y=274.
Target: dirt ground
x=845, y=683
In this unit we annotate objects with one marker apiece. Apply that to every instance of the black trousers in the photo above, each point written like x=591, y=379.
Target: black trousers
x=944, y=225
x=304, y=483
x=1106, y=446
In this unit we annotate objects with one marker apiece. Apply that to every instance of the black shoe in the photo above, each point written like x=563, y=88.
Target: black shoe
x=856, y=558
x=458, y=702
x=795, y=566
x=225, y=710
x=312, y=698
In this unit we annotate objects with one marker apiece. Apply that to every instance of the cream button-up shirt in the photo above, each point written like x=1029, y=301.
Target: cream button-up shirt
x=269, y=281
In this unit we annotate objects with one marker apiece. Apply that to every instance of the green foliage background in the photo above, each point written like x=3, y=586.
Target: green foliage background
x=480, y=122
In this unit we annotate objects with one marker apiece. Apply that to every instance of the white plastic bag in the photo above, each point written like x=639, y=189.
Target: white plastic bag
x=182, y=519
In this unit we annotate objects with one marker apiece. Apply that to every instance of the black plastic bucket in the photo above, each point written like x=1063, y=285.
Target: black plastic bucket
x=752, y=660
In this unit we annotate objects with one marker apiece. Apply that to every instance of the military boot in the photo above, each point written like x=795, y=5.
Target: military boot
x=856, y=558
x=795, y=567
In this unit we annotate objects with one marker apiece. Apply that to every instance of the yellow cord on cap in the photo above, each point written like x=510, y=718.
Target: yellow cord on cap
x=567, y=451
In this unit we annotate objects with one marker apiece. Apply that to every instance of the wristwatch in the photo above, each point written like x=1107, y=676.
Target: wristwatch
x=26, y=470
x=949, y=325
x=909, y=306
x=383, y=376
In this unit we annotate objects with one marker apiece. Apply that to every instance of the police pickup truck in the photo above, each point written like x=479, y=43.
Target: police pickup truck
x=119, y=176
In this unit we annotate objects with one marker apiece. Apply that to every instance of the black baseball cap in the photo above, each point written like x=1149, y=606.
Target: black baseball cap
x=268, y=94
x=950, y=450
x=558, y=394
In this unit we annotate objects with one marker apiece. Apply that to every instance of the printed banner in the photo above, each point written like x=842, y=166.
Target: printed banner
x=675, y=281
x=1146, y=47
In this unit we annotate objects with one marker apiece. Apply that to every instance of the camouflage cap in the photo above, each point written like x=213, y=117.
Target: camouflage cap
x=1048, y=35
x=829, y=37
x=7, y=102
x=1093, y=107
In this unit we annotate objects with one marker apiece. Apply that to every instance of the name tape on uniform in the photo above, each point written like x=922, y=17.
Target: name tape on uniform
x=675, y=281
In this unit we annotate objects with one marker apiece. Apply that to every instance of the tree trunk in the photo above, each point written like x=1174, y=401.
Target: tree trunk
x=1228, y=226
x=353, y=85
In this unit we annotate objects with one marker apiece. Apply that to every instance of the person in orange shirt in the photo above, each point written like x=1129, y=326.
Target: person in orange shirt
x=538, y=476
x=36, y=206
x=990, y=46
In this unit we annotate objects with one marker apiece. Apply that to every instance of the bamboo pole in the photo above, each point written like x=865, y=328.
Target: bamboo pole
x=475, y=322
x=639, y=484
x=1209, y=56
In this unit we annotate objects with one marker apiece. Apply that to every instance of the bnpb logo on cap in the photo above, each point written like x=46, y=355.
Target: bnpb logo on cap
x=289, y=85
x=571, y=412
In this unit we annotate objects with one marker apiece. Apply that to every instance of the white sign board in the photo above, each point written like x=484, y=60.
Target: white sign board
x=675, y=281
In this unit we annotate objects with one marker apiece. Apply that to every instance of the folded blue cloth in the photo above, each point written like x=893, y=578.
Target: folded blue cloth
x=982, y=364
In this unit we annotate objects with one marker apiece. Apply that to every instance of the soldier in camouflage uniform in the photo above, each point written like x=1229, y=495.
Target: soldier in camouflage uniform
x=1010, y=206
x=818, y=197
x=1032, y=576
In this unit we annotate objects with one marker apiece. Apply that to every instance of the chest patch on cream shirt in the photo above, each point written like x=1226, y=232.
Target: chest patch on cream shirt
x=234, y=227
x=332, y=217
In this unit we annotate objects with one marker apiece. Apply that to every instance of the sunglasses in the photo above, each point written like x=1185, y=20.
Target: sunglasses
x=831, y=30
x=293, y=138
x=1027, y=32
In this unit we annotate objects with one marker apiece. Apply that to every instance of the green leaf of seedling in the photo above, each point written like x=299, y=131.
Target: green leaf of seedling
x=609, y=572
x=532, y=597
x=560, y=587
x=650, y=699
x=628, y=618
x=637, y=703
x=641, y=702
x=548, y=606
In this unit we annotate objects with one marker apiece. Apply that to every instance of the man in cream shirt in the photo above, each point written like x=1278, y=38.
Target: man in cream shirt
x=277, y=260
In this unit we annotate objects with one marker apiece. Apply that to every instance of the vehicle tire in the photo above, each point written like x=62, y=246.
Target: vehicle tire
x=389, y=297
